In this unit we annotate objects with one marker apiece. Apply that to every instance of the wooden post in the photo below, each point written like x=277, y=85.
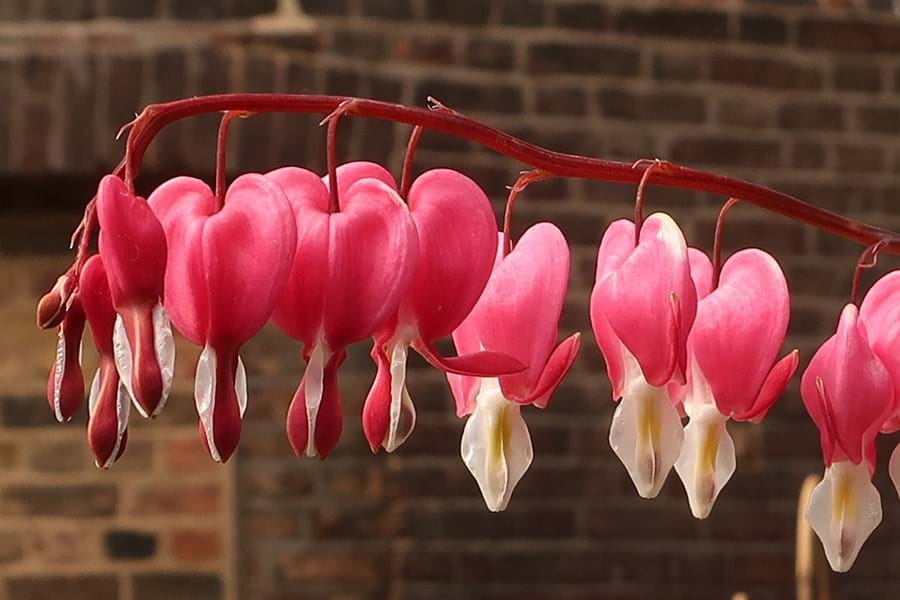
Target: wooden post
x=810, y=573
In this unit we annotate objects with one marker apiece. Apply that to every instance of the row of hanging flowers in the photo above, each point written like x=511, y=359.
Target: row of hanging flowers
x=350, y=256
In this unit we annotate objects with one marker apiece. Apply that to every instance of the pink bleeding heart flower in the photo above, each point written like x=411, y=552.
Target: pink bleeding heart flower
x=227, y=267
x=133, y=246
x=732, y=369
x=517, y=315
x=109, y=403
x=642, y=308
x=849, y=394
x=350, y=272
x=880, y=313
x=457, y=235
x=65, y=386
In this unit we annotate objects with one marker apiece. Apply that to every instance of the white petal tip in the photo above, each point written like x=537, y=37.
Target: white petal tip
x=707, y=460
x=844, y=509
x=894, y=468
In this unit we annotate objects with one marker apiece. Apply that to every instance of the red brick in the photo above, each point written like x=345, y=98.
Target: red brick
x=593, y=59
x=196, y=545
x=162, y=498
x=74, y=501
x=848, y=35
x=765, y=72
x=96, y=587
x=718, y=150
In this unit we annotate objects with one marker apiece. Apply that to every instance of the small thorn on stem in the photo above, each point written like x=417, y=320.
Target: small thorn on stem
x=127, y=126
x=525, y=179
x=717, y=241
x=435, y=104
x=867, y=260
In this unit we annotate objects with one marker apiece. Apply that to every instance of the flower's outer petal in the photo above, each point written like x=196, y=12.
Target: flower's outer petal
x=248, y=250
x=847, y=392
x=616, y=245
x=132, y=243
x=389, y=415
x=650, y=301
x=880, y=313
x=315, y=417
x=477, y=364
x=894, y=468
x=496, y=447
x=300, y=311
x=350, y=173
x=647, y=436
x=65, y=386
x=97, y=304
x=182, y=205
x=372, y=253
x=844, y=509
x=555, y=370
x=518, y=313
x=464, y=387
x=774, y=385
x=457, y=234
x=707, y=459
x=701, y=272
x=739, y=329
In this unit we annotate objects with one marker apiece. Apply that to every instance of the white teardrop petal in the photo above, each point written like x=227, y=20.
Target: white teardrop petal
x=95, y=391
x=496, y=446
x=59, y=365
x=313, y=389
x=124, y=360
x=204, y=395
x=844, y=509
x=402, y=410
x=164, y=343
x=707, y=459
x=240, y=386
x=894, y=468
x=646, y=434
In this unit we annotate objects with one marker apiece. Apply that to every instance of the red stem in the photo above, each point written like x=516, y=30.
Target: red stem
x=221, y=149
x=157, y=116
x=334, y=204
x=717, y=241
x=867, y=260
x=411, y=146
x=524, y=180
x=639, y=196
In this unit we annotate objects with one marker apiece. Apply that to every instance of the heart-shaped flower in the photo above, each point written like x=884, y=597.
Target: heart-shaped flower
x=109, y=403
x=642, y=308
x=457, y=235
x=732, y=374
x=517, y=315
x=227, y=267
x=350, y=272
x=133, y=247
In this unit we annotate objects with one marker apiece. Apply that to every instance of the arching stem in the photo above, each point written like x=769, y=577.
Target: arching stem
x=332, y=120
x=408, y=159
x=717, y=241
x=524, y=180
x=867, y=260
x=639, y=195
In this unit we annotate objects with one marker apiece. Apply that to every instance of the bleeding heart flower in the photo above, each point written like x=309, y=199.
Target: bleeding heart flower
x=642, y=308
x=65, y=386
x=732, y=374
x=849, y=394
x=517, y=315
x=109, y=403
x=457, y=235
x=350, y=272
x=227, y=267
x=133, y=247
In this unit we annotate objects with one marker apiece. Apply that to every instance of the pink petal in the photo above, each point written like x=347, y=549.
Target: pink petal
x=478, y=364
x=701, y=272
x=649, y=298
x=740, y=328
x=847, y=392
x=880, y=313
x=465, y=388
x=376, y=411
x=457, y=234
x=329, y=420
x=774, y=385
x=555, y=370
x=65, y=386
x=350, y=173
x=518, y=313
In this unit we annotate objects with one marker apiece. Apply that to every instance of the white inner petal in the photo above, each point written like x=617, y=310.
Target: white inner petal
x=313, y=388
x=58, y=367
x=124, y=361
x=204, y=396
x=402, y=411
x=240, y=386
x=164, y=343
x=496, y=445
x=95, y=391
x=123, y=409
x=646, y=432
x=707, y=459
x=844, y=510
x=894, y=468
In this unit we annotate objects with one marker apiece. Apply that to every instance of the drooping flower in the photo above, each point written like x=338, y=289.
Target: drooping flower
x=65, y=386
x=642, y=308
x=518, y=315
x=226, y=269
x=350, y=272
x=880, y=313
x=133, y=247
x=849, y=394
x=109, y=403
x=732, y=373
x=457, y=235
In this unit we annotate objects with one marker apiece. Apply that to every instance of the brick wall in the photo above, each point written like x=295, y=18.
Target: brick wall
x=797, y=95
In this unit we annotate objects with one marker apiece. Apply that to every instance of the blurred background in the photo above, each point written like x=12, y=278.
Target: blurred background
x=798, y=95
